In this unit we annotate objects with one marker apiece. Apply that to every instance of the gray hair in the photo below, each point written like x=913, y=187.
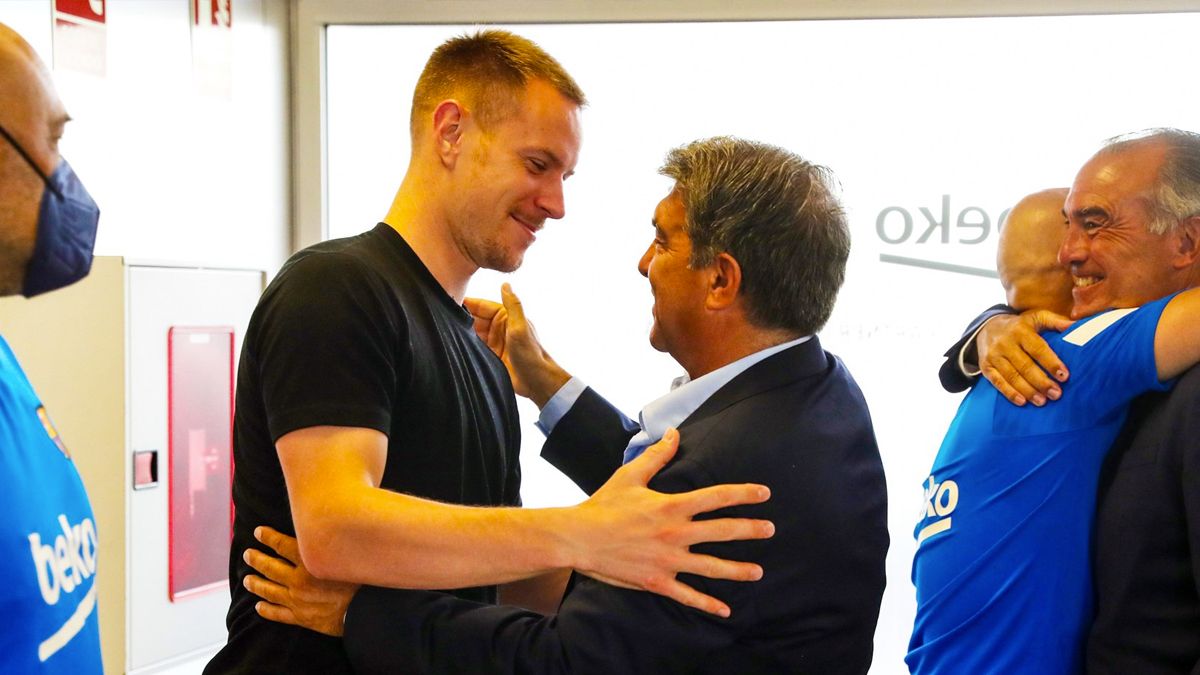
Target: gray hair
x=777, y=215
x=1177, y=196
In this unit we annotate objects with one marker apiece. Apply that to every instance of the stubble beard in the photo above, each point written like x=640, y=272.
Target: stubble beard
x=491, y=254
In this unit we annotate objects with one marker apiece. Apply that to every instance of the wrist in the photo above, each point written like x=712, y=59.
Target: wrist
x=567, y=536
x=549, y=380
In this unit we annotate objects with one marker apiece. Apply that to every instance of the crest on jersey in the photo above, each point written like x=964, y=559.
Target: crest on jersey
x=51, y=431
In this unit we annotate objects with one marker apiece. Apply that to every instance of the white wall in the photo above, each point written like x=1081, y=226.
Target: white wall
x=179, y=176
x=903, y=111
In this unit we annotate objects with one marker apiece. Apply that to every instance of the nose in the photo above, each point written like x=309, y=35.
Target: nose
x=644, y=263
x=551, y=201
x=1074, y=247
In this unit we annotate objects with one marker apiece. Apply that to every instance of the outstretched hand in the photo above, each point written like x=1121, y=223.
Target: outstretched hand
x=290, y=594
x=635, y=537
x=1017, y=361
x=506, y=331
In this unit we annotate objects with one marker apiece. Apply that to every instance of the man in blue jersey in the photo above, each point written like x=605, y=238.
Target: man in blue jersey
x=48, y=621
x=1002, y=565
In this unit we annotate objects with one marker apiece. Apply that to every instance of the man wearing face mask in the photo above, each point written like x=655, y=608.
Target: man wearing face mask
x=48, y=534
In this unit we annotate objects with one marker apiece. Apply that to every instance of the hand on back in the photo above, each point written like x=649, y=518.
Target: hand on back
x=1017, y=361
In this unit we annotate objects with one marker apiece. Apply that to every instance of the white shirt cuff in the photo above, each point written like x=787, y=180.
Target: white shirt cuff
x=972, y=369
x=559, y=405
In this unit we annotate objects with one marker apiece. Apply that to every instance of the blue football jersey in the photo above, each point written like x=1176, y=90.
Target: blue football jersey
x=1002, y=569
x=48, y=615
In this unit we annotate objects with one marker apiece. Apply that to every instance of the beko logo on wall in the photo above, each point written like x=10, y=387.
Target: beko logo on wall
x=919, y=229
x=64, y=563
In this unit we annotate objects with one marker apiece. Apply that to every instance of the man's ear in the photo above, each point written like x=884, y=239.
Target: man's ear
x=449, y=122
x=725, y=282
x=1187, y=234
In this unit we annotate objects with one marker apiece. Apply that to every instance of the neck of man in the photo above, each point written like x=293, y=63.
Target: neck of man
x=420, y=220
x=1192, y=278
x=725, y=342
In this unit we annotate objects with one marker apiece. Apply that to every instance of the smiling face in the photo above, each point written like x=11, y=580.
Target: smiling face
x=511, y=178
x=1113, y=257
x=679, y=291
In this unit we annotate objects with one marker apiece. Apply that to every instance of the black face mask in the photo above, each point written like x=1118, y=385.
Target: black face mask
x=66, y=229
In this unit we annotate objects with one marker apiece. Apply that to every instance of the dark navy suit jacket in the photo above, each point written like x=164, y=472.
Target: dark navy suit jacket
x=796, y=422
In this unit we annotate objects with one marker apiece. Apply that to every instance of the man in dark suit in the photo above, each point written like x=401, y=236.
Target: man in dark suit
x=1132, y=217
x=748, y=255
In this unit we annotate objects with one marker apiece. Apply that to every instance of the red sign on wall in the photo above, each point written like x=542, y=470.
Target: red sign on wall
x=200, y=468
x=79, y=35
x=212, y=47
x=213, y=13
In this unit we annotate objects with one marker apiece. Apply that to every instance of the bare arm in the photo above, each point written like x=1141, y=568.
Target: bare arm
x=1177, y=338
x=1015, y=359
x=625, y=534
x=292, y=595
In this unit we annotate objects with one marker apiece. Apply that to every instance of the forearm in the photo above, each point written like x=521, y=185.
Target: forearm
x=544, y=380
x=371, y=536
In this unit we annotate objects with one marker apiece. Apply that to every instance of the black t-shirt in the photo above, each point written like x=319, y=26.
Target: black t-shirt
x=356, y=332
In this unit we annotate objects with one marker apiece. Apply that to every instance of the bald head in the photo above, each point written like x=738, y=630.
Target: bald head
x=1027, y=259
x=34, y=116
x=31, y=112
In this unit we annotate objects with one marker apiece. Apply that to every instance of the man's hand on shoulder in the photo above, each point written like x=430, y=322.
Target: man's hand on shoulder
x=1017, y=361
x=506, y=331
x=631, y=536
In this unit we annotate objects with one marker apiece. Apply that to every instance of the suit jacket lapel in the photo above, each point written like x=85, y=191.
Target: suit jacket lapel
x=791, y=364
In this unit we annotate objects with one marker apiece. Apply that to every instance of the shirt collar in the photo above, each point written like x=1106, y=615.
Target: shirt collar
x=688, y=395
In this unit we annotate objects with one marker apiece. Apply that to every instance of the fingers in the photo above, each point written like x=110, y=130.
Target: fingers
x=720, y=496
x=1045, y=357
x=266, y=589
x=482, y=309
x=1038, y=381
x=279, y=542
x=1001, y=384
x=1047, y=320
x=718, y=568
x=497, y=333
x=686, y=595
x=729, y=529
x=643, y=468
x=512, y=303
x=1016, y=360
x=1012, y=367
x=273, y=568
x=276, y=613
